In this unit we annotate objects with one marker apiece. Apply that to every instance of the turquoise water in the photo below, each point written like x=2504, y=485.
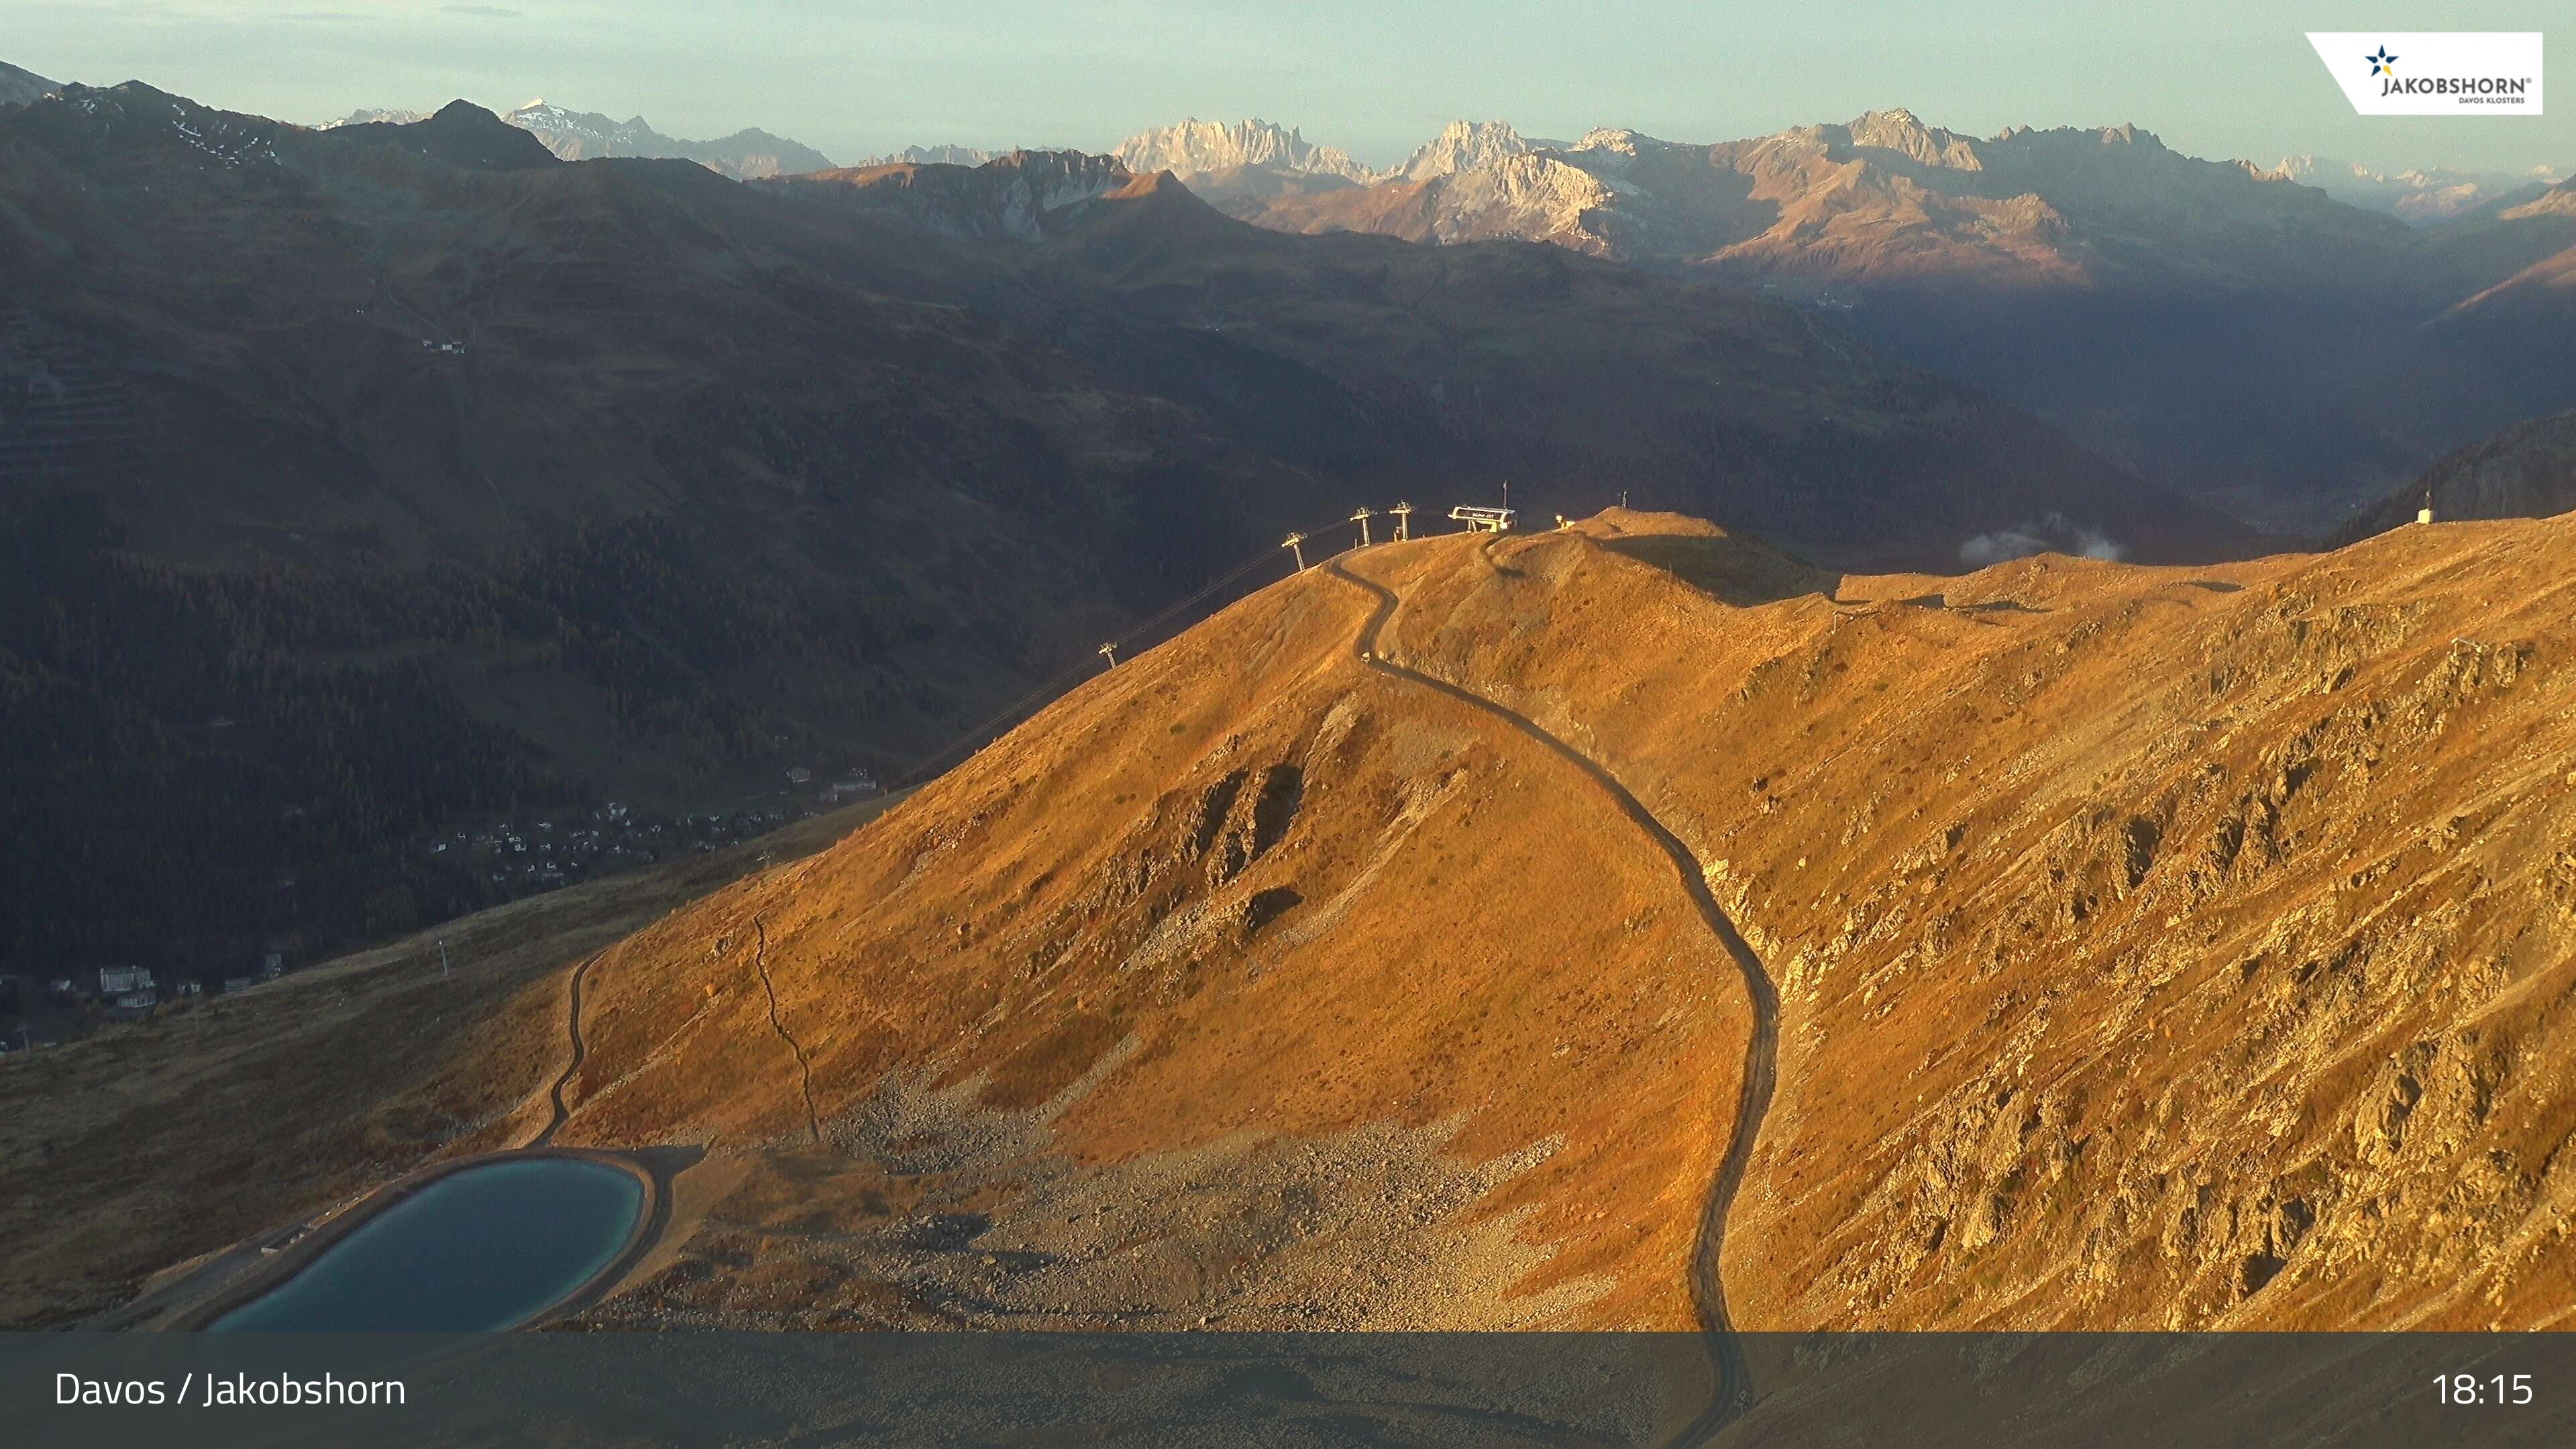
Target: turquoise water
x=485, y=1248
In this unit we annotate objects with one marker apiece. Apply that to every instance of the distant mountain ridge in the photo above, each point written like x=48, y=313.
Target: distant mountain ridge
x=1883, y=196
x=2142, y=298
x=2421, y=197
x=1021, y=196
x=21, y=87
x=352, y=437
x=460, y=134
x=578, y=135
x=748, y=153
x=2526, y=471
x=930, y=156
x=1196, y=147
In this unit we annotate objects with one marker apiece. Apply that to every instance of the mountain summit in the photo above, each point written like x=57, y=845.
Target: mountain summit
x=1195, y=147
x=1463, y=146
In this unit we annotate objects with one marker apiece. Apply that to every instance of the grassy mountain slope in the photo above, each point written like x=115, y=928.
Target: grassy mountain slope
x=2155, y=948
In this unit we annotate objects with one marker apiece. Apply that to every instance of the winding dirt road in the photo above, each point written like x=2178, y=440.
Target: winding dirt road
x=1734, y=1390
x=804, y=1064
x=580, y=1051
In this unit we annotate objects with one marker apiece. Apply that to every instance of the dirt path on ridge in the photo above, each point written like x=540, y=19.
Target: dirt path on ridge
x=1734, y=1390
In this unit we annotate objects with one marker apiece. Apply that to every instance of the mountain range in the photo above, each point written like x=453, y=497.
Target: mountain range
x=2421, y=197
x=748, y=153
x=2286, y=342
x=450, y=481
x=2218, y=326
x=1196, y=147
x=576, y=135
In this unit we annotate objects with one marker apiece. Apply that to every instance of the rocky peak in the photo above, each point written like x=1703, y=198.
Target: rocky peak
x=1463, y=146
x=460, y=134
x=1196, y=147
x=1901, y=131
x=1613, y=139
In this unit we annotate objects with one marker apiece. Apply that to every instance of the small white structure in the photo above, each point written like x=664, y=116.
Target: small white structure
x=1483, y=520
x=123, y=980
x=1296, y=545
x=1403, y=521
x=1361, y=517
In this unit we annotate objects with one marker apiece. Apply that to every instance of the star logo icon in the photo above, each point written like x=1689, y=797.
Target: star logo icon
x=2383, y=63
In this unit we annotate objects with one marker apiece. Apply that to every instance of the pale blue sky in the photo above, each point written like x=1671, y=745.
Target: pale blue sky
x=2212, y=77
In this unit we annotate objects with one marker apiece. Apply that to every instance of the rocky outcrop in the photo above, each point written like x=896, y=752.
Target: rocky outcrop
x=1463, y=146
x=1196, y=147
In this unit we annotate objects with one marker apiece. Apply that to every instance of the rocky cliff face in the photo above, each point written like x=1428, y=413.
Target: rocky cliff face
x=1195, y=147
x=1463, y=146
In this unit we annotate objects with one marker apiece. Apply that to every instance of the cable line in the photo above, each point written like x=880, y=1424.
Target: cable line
x=1063, y=680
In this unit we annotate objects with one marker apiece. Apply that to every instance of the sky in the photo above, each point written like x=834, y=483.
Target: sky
x=2216, y=78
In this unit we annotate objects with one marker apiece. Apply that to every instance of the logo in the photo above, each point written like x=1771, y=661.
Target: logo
x=2450, y=73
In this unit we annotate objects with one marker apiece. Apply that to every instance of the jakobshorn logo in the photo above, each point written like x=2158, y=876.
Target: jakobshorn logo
x=2458, y=73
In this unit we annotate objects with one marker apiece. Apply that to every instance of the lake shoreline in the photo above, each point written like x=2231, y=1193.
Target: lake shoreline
x=230, y=1281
